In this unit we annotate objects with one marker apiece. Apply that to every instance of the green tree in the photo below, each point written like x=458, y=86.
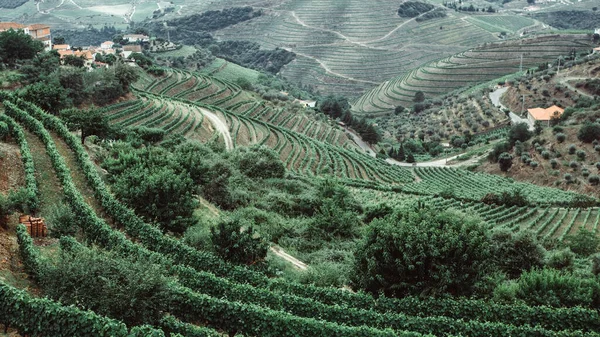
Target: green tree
x=160, y=194
x=419, y=97
x=16, y=45
x=125, y=75
x=589, y=132
x=58, y=40
x=48, y=95
x=41, y=66
x=236, y=241
x=538, y=127
x=422, y=251
x=584, y=243
x=516, y=253
x=520, y=132
x=398, y=110
x=259, y=162
x=505, y=161
x=75, y=61
x=90, y=121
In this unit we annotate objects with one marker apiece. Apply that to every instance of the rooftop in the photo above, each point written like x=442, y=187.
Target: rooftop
x=9, y=25
x=37, y=26
x=542, y=114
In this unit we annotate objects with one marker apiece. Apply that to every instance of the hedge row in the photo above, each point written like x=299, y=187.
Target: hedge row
x=31, y=186
x=220, y=288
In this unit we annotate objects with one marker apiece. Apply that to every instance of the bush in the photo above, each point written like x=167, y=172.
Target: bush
x=584, y=243
x=585, y=173
x=546, y=154
x=505, y=161
x=574, y=165
x=515, y=253
x=594, y=180
x=561, y=260
x=572, y=149
x=568, y=178
x=589, y=132
x=581, y=154
x=533, y=164
x=235, y=241
x=408, y=253
x=560, y=137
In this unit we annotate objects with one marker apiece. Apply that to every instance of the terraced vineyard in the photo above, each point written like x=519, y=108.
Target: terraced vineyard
x=230, y=299
x=179, y=101
x=345, y=47
x=467, y=68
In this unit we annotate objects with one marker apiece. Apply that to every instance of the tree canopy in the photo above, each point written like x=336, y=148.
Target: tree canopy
x=16, y=45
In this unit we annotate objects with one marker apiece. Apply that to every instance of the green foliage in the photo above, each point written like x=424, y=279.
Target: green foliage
x=16, y=45
x=11, y=3
x=552, y=288
x=498, y=149
x=133, y=292
x=516, y=253
x=50, y=95
x=75, y=61
x=520, y=132
x=561, y=260
x=422, y=252
x=90, y=121
x=505, y=161
x=538, y=128
x=259, y=162
x=560, y=137
x=584, y=243
x=235, y=241
x=411, y=9
x=62, y=221
x=30, y=255
x=589, y=132
x=36, y=316
x=419, y=96
x=158, y=193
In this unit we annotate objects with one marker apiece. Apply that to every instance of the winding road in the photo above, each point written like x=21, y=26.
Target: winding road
x=565, y=81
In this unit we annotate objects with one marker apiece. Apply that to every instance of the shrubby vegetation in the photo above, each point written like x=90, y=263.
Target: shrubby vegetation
x=11, y=3
x=411, y=9
x=573, y=19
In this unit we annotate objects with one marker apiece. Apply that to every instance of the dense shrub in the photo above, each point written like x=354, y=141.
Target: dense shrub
x=409, y=253
x=589, y=132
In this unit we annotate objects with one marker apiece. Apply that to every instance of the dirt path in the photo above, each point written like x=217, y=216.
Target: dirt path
x=397, y=27
x=565, y=81
x=327, y=70
x=294, y=261
x=220, y=126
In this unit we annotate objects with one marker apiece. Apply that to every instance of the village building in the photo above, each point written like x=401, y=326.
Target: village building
x=136, y=38
x=61, y=47
x=107, y=45
x=37, y=31
x=544, y=115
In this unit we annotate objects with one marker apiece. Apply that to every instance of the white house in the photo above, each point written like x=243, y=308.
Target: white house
x=136, y=38
x=107, y=45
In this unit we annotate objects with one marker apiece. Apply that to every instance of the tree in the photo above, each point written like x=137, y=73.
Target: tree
x=589, y=132
x=584, y=243
x=516, y=253
x=160, y=194
x=531, y=2
x=125, y=75
x=58, y=40
x=41, y=66
x=259, y=162
x=90, y=121
x=538, y=127
x=75, y=61
x=48, y=95
x=16, y=45
x=419, y=97
x=398, y=110
x=236, y=242
x=422, y=251
x=410, y=158
x=520, y=132
x=505, y=161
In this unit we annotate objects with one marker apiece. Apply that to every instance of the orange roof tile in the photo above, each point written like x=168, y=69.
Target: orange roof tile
x=85, y=54
x=9, y=25
x=64, y=53
x=60, y=47
x=541, y=114
x=37, y=26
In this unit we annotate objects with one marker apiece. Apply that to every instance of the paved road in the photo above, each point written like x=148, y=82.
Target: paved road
x=514, y=118
x=361, y=143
